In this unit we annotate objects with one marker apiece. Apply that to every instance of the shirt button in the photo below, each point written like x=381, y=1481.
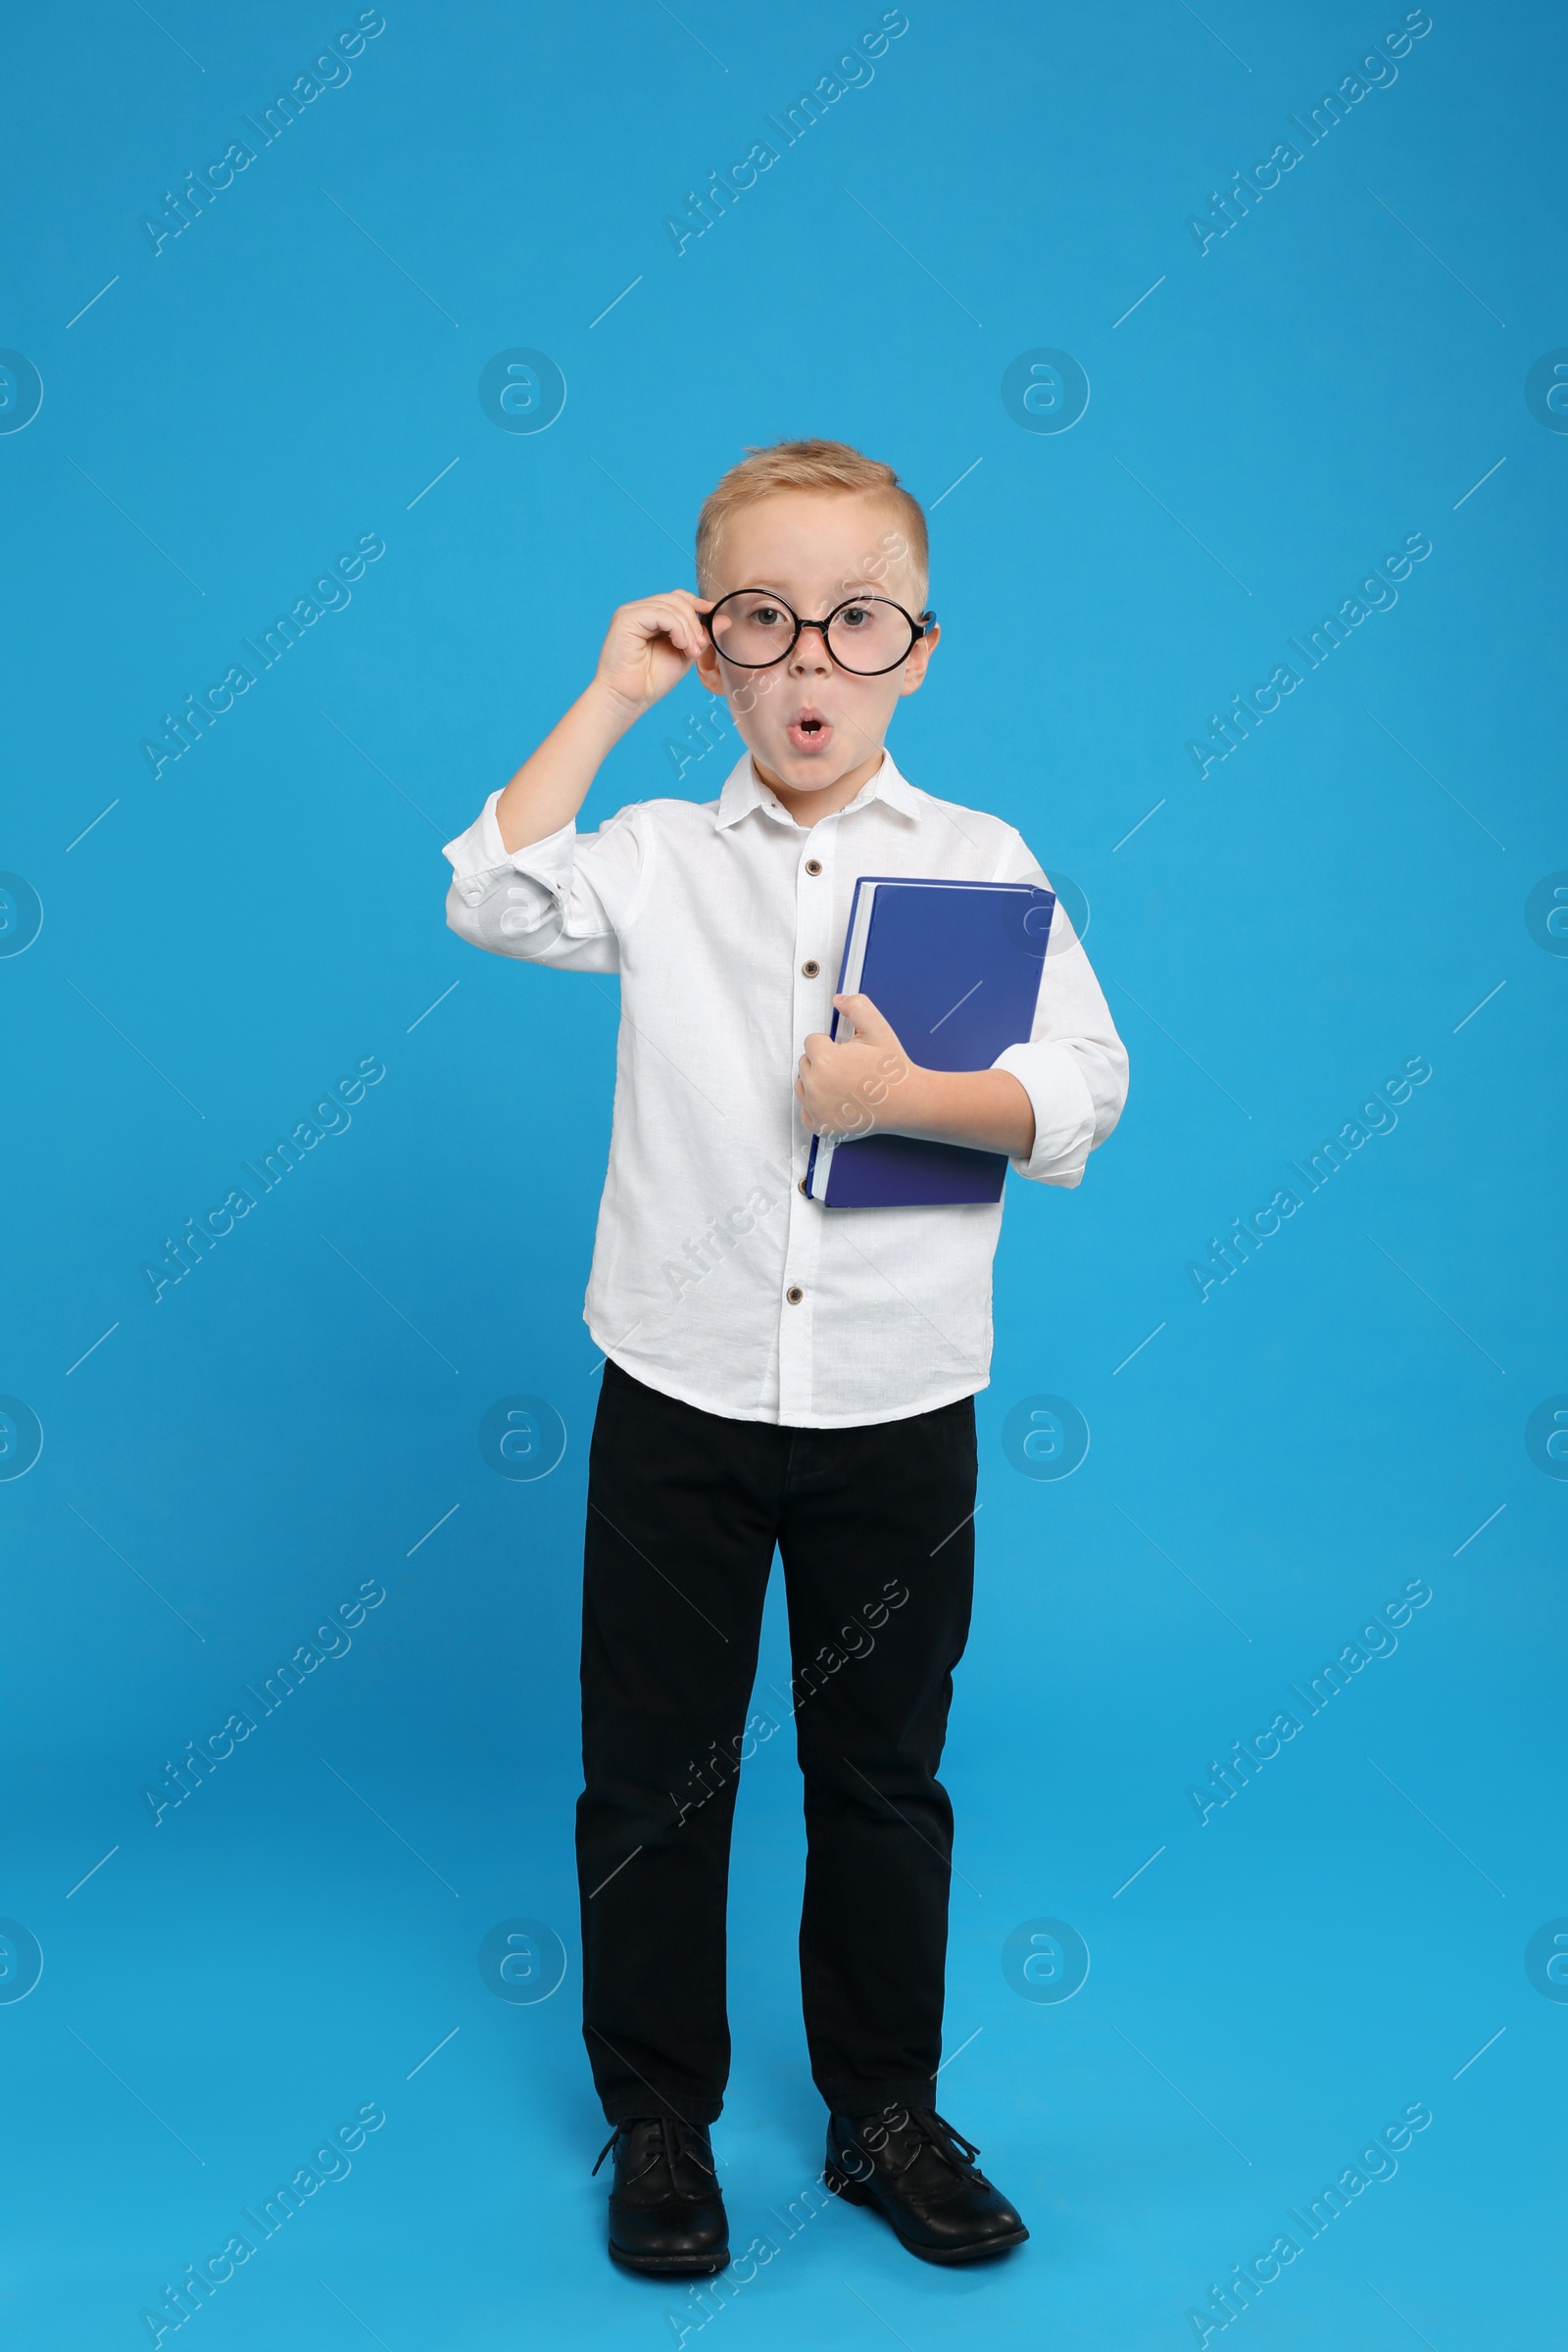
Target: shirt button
x=795, y=1294
x=809, y=968
x=799, y=1186
x=814, y=866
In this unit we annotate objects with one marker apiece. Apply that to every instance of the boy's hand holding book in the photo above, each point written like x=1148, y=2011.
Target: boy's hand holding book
x=850, y=1085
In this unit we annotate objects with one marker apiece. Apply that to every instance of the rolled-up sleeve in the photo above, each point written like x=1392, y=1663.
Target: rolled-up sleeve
x=1074, y=1067
x=566, y=900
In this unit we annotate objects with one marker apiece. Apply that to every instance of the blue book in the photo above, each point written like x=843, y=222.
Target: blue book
x=956, y=968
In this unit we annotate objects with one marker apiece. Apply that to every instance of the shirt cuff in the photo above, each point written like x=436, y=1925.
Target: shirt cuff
x=481, y=850
x=1063, y=1108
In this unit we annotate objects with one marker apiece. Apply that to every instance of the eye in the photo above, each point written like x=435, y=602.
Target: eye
x=856, y=617
x=766, y=616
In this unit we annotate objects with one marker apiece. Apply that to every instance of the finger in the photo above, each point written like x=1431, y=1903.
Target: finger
x=867, y=1025
x=695, y=606
x=862, y=1011
x=663, y=617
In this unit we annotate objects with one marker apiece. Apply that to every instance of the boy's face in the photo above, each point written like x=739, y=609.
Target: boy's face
x=809, y=723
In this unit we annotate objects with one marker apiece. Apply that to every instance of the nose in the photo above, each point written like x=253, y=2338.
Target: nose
x=810, y=649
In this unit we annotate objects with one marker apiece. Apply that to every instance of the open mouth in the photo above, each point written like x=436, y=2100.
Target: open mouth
x=809, y=731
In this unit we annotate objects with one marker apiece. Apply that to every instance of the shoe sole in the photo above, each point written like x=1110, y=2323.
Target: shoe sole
x=701, y=2266
x=854, y=2193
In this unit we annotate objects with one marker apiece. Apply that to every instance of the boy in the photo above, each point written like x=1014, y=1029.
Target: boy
x=776, y=1371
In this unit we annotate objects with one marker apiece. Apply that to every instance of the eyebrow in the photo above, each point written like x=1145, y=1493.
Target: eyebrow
x=855, y=587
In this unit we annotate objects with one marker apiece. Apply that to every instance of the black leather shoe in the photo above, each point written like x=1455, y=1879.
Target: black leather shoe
x=920, y=2176
x=665, y=2210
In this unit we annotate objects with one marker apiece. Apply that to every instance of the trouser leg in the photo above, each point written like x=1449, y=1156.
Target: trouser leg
x=877, y=1540
x=682, y=1509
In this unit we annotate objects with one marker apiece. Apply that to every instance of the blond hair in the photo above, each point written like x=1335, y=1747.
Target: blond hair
x=811, y=466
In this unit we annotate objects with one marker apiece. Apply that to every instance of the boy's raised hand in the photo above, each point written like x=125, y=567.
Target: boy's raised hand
x=650, y=646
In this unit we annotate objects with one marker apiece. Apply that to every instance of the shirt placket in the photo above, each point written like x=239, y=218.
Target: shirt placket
x=811, y=1009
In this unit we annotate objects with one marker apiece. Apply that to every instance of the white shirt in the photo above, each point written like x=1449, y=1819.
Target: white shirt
x=715, y=1279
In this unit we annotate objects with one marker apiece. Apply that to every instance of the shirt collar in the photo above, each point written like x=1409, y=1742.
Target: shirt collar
x=744, y=790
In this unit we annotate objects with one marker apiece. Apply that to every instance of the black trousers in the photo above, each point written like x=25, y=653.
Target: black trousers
x=875, y=1529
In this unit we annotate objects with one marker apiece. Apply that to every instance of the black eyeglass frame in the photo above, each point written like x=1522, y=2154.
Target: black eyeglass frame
x=918, y=628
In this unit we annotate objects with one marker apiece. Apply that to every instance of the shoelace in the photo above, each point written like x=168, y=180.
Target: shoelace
x=678, y=2140
x=933, y=2130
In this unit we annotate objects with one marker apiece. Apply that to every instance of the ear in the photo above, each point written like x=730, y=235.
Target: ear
x=920, y=654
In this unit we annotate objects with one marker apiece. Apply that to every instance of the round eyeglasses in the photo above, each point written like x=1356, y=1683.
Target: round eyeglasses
x=866, y=636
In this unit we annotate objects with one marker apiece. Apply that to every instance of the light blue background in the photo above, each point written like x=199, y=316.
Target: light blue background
x=229, y=940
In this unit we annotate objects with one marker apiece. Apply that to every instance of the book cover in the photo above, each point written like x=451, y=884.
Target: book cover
x=956, y=968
